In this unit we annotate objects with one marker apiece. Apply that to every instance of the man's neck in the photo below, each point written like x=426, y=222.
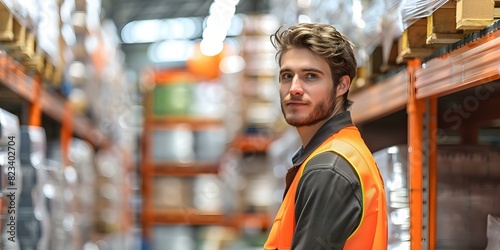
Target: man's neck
x=307, y=132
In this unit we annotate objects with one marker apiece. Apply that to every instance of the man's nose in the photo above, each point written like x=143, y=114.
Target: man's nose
x=296, y=87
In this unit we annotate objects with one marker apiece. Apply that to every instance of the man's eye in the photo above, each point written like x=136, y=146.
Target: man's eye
x=286, y=76
x=311, y=76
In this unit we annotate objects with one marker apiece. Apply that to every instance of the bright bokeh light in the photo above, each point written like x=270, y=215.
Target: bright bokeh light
x=214, y=33
x=357, y=12
x=93, y=10
x=269, y=24
x=304, y=19
x=126, y=34
x=172, y=38
x=68, y=34
x=149, y=31
x=170, y=51
x=67, y=8
x=218, y=21
x=78, y=19
x=236, y=26
x=304, y=3
x=145, y=31
x=232, y=64
x=217, y=26
x=181, y=28
x=77, y=69
x=211, y=47
x=234, y=45
x=91, y=44
x=393, y=150
x=223, y=8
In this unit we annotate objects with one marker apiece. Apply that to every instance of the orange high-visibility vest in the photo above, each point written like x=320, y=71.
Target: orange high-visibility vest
x=371, y=232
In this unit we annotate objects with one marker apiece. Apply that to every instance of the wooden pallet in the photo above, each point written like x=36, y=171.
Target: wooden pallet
x=412, y=43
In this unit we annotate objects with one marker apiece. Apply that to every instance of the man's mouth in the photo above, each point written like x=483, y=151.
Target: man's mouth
x=295, y=104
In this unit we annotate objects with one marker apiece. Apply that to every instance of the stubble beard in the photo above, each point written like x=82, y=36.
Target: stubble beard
x=322, y=111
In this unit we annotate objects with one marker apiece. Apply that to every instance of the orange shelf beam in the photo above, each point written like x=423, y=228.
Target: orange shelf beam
x=13, y=76
x=253, y=143
x=194, y=122
x=195, y=217
x=380, y=99
x=471, y=65
x=186, y=170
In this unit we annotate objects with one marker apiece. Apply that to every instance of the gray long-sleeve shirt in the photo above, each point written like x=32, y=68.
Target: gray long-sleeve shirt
x=328, y=202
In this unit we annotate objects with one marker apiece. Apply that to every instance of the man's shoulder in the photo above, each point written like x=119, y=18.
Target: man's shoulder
x=331, y=161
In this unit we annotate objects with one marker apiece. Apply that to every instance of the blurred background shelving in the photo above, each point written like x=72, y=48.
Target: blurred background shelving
x=157, y=124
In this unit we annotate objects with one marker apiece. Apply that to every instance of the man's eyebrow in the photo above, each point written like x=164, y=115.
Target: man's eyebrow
x=284, y=70
x=313, y=70
x=303, y=69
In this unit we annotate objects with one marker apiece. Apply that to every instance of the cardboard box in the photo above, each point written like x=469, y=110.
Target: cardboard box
x=474, y=14
x=441, y=25
x=412, y=43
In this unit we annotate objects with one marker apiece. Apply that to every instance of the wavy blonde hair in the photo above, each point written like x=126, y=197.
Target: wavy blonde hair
x=324, y=40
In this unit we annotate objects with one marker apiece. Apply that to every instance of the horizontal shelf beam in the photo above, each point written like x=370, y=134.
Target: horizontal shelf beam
x=185, y=170
x=471, y=65
x=253, y=143
x=13, y=77
x=380, y=99
x=194, y=122
x=195, y=217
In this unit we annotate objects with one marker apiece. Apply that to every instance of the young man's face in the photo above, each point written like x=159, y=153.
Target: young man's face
x=306, y=88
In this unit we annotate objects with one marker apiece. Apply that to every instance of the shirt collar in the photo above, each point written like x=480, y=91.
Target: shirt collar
x=332, y=126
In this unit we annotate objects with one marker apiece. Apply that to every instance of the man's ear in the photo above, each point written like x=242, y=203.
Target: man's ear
x=344, y=84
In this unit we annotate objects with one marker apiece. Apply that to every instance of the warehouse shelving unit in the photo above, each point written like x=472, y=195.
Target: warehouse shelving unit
x=470, y=62
x=36, y=85
x=21, y=87
x=471, y=65
x=15, y=78
x=152, y=168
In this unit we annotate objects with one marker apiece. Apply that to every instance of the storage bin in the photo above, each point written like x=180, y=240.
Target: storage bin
x=172, y=99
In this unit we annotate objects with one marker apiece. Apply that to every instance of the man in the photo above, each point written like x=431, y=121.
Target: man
x=334, y=196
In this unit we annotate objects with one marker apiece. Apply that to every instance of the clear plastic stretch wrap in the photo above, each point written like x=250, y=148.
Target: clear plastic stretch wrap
x=467, y=196
x=25, y=11
x=368, y=23
x=493, y=232
x=415, y=9
x=33, y=215
x=10, y=180
x=392, y=163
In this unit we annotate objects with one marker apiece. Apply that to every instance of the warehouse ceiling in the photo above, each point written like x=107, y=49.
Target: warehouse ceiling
x=125, y=11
